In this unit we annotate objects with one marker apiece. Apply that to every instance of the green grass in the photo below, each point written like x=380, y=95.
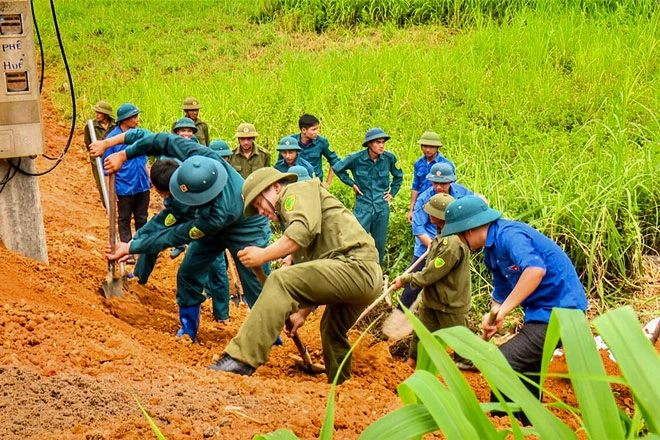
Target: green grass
x=551, y=113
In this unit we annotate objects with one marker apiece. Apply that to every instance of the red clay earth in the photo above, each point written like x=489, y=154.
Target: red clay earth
x=72, y=362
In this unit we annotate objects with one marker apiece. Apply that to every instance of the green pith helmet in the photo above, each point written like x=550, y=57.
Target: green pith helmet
x=437, y=204
x=441, y=173
x=185, y=123
x=126, y=111
x=288, y=143
x=430, y=138
x=190, y=103
x=246, y=130
x=302, y=172
x=258, y=182
x=198, y=180
x=467, y=213
x=221, y=148
x=373, y=134
x=104, y=107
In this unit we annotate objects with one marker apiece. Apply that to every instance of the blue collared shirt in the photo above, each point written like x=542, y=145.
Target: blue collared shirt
x=132, y=177
x=313, y=151
x=422, y=168
x=511, y=247
x=372, y=177
x=422, y=221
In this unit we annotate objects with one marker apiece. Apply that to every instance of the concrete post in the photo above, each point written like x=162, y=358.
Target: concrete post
x=21, y=220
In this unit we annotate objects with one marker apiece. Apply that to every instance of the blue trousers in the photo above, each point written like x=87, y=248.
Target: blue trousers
x=375, y=222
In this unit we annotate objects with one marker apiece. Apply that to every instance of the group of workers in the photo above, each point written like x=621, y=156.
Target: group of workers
x=218, y=199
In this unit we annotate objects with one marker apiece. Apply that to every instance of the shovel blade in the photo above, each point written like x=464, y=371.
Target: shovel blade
x=112, y=287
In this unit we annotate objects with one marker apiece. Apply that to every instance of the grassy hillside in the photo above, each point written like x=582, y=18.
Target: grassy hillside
x=549, y=111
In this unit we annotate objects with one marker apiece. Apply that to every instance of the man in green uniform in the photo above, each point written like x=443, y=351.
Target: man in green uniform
x=445, y=278
x=191, y=108
x=210, y=185
x=248, y=156
x=371, y=169
x=336, y=265
x=104, y=122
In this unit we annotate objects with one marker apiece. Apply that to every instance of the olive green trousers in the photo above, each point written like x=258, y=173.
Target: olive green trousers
x=345, y=285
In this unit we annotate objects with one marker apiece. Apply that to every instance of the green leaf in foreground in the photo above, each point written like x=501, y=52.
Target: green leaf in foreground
x=154, y=428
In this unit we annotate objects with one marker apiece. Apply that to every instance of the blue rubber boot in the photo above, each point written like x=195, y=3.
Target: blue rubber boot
x=189, y=317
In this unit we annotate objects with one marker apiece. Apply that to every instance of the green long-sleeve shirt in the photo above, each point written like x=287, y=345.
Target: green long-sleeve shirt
x=260, y=158
x=223, y=215
x=371, y=176
x=321, y=224
x=445, y=277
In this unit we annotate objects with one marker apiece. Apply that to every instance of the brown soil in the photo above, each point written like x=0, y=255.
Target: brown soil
x=71, y=362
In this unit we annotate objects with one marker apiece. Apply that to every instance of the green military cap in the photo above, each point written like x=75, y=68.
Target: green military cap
x=373, y=134
x=302, y=172
x=288, y=143
x=467, y=213
x=126, y=111
x=190, y=103
x=221, y=148
x=246, y=130
x=104, y=107
x=430, y=138
x=185, y=123
x=441, y=173
x=437, y=204
x=198, y=180
x=258, y=182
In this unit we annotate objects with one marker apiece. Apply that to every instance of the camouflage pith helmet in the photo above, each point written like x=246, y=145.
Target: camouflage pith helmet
x=288, y=143
x=221, y=148
x=373, y=134
x=441, y=173
x=258, y=182
x=246, y=130
x=185, y=123
x=190, y=103
x=126, y=111
x=104, y=107
x=430, y=138
x=467, y=213
x=302, y=172
x=437, y=204
x=198, y=180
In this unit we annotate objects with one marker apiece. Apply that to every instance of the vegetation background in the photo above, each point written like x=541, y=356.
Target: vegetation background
x=549, y=109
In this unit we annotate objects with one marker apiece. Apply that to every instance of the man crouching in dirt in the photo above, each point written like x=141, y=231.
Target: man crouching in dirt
x=209, y=184
x=336, y=265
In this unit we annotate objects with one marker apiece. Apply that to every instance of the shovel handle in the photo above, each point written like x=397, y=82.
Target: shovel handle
x=492, y=316
x=389, y=289
x=112, y=211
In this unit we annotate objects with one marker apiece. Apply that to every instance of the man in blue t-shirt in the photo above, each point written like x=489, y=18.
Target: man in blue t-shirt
x=131, y=181
x=430, y=144
x=528, y=269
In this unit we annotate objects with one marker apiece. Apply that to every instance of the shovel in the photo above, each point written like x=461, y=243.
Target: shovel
x=305, y=360
x=112, y=285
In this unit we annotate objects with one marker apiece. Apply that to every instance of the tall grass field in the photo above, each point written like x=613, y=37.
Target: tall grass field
x=549, y=109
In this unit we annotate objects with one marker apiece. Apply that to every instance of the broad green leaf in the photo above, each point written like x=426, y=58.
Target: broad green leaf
x=442, y=405
x=597, y=404
x=437, y=353
x=403, y=423
x=637, y=359
x=496, y=370
x=280, y=434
